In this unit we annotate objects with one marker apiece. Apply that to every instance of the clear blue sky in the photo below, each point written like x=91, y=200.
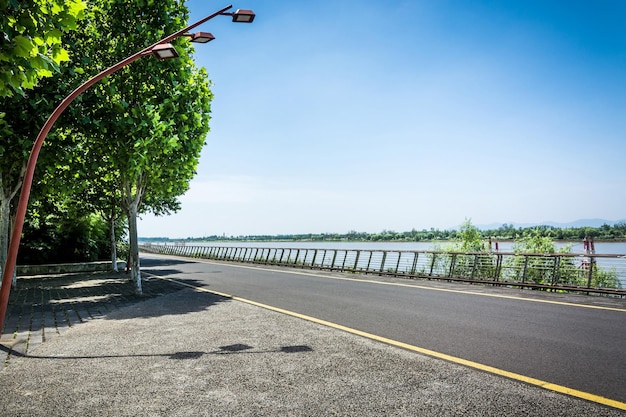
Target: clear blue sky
x=332, y=116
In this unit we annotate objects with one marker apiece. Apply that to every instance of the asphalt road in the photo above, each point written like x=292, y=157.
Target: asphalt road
x=572, y=341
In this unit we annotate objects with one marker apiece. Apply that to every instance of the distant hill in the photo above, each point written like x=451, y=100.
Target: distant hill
x=573, y=224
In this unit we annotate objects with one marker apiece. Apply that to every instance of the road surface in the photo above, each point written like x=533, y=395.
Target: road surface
x=574, y=341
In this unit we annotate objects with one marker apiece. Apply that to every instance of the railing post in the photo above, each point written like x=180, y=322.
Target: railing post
x=555, y=270
x=474, y=266
x=432, y=264
x=369, y=261
x=343, y=264
x=267, y=257
x=497, y=276
x=414, y=266
x=332, y=266
x=382, y=263
x=525, y=268
x=398, y=263
x=282, y=253
x=590, y=277
x=452, y=265
x=356, y=261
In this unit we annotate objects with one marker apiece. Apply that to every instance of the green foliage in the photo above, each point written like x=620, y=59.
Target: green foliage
x=602, y=278
x=471, y=239
x=57, y=233
x=467, y=256
x=151, y=117
x=533, y=241
x=31, y=46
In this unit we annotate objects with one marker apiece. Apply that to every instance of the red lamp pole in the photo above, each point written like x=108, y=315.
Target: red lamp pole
x=7, y=275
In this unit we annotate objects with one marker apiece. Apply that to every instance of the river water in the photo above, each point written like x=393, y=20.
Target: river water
x=612, y=248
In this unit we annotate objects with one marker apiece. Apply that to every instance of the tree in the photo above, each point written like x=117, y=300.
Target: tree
x=534, y=241
x=471, y=240
x=154, y=113
x=18, y=129
x=30, y=50
x=31, y=46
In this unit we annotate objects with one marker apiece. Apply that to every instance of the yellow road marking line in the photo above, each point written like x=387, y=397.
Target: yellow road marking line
x=485, y=368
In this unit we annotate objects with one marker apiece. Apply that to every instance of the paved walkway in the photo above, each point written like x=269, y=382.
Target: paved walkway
x=78, y=345
x=46, y=306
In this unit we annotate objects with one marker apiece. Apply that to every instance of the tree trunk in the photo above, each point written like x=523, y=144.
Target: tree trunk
x=11, y=225
x=5, y=219
x=113, y=244
x=133, y=259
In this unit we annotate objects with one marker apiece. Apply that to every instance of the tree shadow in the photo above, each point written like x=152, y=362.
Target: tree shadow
x=154, y=262
x=48, y=304
x=181, y=299
x=234, y=349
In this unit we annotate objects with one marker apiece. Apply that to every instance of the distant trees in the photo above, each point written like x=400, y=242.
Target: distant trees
x=505, y=232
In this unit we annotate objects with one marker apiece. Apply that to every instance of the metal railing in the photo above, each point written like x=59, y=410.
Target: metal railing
x=600, y=274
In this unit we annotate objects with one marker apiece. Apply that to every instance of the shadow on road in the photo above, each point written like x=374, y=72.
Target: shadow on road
x=154, y=262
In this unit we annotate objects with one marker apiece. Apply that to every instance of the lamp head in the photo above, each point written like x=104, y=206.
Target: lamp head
x=243, y=16
x=202, y=37
x=165, y=51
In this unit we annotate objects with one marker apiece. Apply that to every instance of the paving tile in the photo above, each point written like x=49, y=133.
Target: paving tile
x=44, y=307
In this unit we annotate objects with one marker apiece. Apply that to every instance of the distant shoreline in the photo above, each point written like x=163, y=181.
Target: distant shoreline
x=164, y=239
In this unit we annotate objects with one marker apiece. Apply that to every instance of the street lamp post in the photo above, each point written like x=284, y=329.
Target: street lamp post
x=162, y=50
